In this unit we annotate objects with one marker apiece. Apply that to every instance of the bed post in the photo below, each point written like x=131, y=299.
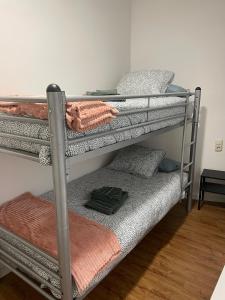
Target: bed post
x=194, y=134
x=56, y=112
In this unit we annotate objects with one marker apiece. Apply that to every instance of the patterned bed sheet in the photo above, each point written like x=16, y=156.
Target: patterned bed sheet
x=149, y=201
x=41, y=131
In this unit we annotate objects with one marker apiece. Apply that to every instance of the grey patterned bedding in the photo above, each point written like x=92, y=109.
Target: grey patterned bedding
x=149, y=201
x=41, y=132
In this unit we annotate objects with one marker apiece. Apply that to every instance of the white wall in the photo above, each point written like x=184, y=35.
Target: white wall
x=188, y=38
x=80, y=45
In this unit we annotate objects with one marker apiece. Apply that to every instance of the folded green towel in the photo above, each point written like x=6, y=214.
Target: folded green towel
x=107, y=200
x=107, y=207
x=103, y=92
x=107, y=193
x=107, y=92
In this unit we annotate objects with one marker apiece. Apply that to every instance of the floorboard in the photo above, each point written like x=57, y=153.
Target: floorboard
x=181, y=259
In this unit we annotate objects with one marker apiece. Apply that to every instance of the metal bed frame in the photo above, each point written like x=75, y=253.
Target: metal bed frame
x=58, y=143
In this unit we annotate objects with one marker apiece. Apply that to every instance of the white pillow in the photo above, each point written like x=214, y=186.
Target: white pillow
x=145, y=82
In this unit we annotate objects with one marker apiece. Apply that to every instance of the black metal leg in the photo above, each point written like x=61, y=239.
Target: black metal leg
x=203, y=195
x=203, y=191
x=200, y=194
x=201, y=199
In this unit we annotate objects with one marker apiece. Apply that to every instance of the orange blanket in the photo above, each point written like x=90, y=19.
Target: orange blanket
x=80, y=116
x=92, y=245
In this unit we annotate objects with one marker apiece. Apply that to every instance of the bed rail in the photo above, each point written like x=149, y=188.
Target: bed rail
x=43, y=99
x=59, y=142
x=25, y=278
x=102, y=134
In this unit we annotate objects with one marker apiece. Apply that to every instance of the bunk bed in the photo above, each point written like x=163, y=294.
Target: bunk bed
x=52, y=143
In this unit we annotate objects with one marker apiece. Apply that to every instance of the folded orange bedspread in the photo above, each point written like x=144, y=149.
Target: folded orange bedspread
x=80, y=116
x=93, y=246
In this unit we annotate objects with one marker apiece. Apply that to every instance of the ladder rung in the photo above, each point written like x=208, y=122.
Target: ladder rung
x=188, y=165
x=187, y=185
x=190, y=144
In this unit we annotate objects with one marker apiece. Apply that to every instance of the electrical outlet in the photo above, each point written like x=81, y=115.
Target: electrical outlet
x=219, y=145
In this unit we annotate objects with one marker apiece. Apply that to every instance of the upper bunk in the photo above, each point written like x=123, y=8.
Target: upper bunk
x=139, y=117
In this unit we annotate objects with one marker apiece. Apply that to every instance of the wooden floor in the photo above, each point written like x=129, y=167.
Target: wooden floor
x=181, y=259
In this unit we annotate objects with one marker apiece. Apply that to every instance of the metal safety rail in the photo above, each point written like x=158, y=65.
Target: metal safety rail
x=58, y=144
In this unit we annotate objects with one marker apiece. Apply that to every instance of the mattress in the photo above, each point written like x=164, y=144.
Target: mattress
x=149, y=201
x=41, y=131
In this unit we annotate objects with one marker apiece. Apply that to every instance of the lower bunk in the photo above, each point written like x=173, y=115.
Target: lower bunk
x=148, y=202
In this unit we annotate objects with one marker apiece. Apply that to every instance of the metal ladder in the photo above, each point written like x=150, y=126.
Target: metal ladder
x=189, y=166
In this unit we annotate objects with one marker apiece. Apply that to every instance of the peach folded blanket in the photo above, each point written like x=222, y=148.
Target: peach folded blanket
x=80, y=116
x=93, y=246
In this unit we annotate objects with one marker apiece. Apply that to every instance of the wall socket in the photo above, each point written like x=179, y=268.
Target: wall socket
x=219, y=145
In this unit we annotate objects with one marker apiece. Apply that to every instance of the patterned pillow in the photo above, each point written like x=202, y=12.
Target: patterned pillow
x=145, y=82
x=137, y=160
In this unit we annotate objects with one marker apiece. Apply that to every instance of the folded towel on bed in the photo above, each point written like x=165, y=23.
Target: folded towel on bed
x=93, y=246
x=112, y=92
x=107, y=193
x=88, y=115
x=80, y=116
x=103, y=92
x=107, y=200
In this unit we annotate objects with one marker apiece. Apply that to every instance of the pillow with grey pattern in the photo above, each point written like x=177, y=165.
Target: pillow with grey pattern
x=145, y=82
x=137, y=160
